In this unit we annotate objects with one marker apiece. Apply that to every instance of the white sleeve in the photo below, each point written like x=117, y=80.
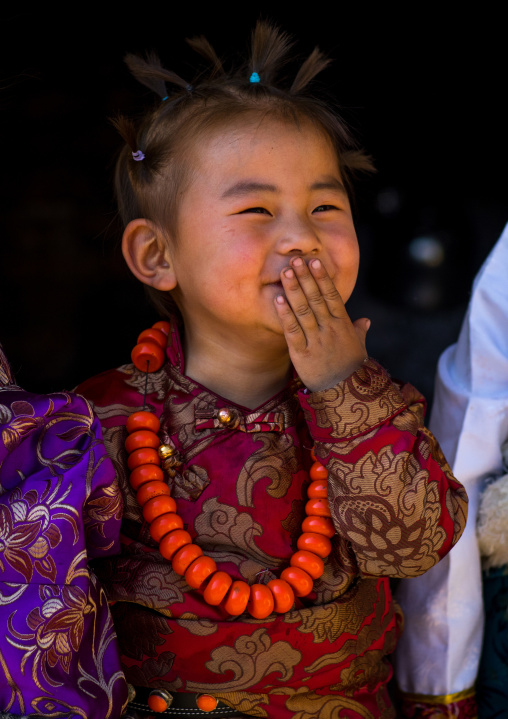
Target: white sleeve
x=439, y=651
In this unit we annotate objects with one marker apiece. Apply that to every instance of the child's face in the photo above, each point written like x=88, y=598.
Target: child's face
x=258, y=196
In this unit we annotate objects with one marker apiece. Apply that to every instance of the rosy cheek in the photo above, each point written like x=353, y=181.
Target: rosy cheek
x=241, y=249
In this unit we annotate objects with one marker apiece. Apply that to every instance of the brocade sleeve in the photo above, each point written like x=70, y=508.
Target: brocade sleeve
x=391, y=492
x=59, y=507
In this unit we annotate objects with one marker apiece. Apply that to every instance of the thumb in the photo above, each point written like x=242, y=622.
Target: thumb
x=361, y=328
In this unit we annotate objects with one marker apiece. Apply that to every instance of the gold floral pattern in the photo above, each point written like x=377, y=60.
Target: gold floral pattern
x=250, y=703
x=252, y=658
x=29, y=529
x=280, y=470
x=229, y=535
x=329, y=622
x=59, y=506
x=362, y=638
x=356, y=405
x=391, y=511
x=155, y=585
x=306, y=704
x=243, y=492
x=58, y=627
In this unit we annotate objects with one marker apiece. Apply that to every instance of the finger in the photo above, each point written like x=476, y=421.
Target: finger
x=329, y=292
x=293, y=332
x=297, y=299
x=361, y=327
x=311, y=289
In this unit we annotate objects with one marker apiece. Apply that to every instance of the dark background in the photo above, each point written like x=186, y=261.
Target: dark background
x=425, y=94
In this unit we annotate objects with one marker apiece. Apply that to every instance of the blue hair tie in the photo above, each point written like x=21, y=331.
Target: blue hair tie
x=254, y=77
x=164, y=98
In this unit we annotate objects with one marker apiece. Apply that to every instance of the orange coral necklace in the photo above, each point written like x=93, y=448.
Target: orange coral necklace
x=175, y=544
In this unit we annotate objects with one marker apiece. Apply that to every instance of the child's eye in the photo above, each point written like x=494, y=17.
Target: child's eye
x=324, y=208
x=258, y=210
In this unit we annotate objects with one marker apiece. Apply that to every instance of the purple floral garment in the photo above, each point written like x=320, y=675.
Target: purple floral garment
x=59, y=508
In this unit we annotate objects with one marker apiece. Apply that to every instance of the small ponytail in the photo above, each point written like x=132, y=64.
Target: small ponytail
x=201, y=45
x=270, y=49
x=150, y=73
x=126, y=128
x=313, y=65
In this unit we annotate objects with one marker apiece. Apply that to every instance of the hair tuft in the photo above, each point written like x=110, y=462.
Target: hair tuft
x=127, y=130
x=270, y=48
x=313, y=65
x=201, y=45
x=151, y=73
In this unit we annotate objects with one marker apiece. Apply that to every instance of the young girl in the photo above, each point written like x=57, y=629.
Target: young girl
x=301, y=477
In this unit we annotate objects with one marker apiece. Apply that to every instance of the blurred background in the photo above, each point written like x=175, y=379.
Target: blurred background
x=423, y=93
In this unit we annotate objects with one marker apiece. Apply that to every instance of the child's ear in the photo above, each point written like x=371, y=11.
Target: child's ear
x=147, y=254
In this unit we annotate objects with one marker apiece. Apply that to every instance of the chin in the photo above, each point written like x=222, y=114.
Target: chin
x=275, y=329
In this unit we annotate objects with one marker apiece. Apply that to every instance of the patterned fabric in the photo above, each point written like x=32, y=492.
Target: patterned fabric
x=241, y=492
x=454, y=706
x=59, y=508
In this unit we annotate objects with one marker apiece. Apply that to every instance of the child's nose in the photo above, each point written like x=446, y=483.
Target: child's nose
x=299, y=238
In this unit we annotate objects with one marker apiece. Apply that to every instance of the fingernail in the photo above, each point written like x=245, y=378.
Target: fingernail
x=368, y=324
x=279, y=300
x=315, y=264
x=288, y=273
x=297, y=262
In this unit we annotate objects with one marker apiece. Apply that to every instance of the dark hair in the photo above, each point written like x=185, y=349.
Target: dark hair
x=150, y=187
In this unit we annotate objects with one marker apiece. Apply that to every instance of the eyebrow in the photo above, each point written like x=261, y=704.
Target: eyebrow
x=331, y=183
x=240, y=189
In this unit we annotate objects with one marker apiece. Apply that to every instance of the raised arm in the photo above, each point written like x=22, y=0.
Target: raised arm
x=392, y=494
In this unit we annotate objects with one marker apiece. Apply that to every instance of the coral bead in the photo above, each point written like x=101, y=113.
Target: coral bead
x=140, y=439
x=283, y=595
x=172, y=542
x=318, y=488
x=318, y=506
x=158, y=505
x=313, y=455
x=184, y=558
x=309, y=562
x=163, y=326
x=261, y=601
x=319, y=525
x=145, y=473
x=318, y=471
x=148, y=356
x=200, y=569
x=143, y=420
x=163, y=524
x=206, y=702
x=301, y=582
x=155, y=335
x=317, y=543
x=237, y=598
x=157, y=703
x=151, y=489
x=217, y=588
x=145, y=455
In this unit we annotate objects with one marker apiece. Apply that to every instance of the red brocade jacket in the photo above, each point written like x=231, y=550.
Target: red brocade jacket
x=241, y=490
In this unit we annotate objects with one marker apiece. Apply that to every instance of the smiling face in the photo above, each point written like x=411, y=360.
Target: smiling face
x=259, y=195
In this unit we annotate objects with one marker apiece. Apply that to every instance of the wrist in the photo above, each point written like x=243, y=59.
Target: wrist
x=323, y=383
